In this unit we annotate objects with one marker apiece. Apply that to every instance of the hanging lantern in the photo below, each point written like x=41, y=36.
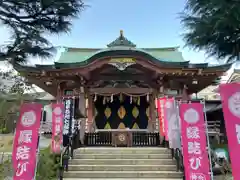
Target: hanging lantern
x=147, y=97
x=138, y=101
x=95, y=97
x=131, y=99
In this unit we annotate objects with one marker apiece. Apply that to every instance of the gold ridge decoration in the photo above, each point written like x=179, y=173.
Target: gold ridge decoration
x=121, y=112
x=135, y=112
x=107, y=112
x=121, y=126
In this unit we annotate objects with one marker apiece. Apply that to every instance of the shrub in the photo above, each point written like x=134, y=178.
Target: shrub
x=48, y=165
x=47, y=168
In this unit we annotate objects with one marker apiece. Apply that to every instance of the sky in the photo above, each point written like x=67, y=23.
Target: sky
x=149, y=24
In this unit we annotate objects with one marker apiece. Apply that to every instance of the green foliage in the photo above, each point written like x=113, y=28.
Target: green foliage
x=30, y=20
x=213, y=26
x=5, y=170
x=4, y=130
x=12, y=82
x=48, y=165
x=47, y=169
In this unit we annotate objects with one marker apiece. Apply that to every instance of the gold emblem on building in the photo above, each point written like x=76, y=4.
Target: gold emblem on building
x=107, y=112
x=135, y=112
x=122, y=63
x=121, y=137
x=121, y=126
x=121, y=112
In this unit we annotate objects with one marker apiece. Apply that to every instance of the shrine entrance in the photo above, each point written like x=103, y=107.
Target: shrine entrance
x=121, y=112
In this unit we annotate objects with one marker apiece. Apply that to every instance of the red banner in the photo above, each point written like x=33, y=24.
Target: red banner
x=196, y=162
x=57, y=127
x=230, y=95
x=160, y=110
x=25, y=145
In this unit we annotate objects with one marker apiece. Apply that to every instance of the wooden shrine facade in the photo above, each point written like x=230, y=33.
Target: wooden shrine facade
x=121, y=69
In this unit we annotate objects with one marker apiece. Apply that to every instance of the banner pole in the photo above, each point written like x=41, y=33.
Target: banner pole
x=38, y=148
x=177, y=104
x=209, y=149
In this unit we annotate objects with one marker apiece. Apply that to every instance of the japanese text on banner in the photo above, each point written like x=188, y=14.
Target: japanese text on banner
x=194, y=143
x=57, y=126
x=26, y=142
x=230, y=96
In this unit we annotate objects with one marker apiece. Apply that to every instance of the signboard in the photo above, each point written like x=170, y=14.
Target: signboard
x=195, y=153
x=67, y=120
x=25, y=145
x=57, y=127
x=230, y=96
x=171, y=115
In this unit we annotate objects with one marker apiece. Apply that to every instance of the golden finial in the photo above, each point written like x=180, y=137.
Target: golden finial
x=121, y=33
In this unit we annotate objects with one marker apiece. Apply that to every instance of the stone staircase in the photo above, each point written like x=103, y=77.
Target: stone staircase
x=121, y=163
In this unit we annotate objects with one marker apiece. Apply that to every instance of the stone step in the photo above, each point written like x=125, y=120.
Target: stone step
x=123, y=178
x=122, y=156
x=122, y=167
x=112, y=150
x=122, y=174
x=122, y=161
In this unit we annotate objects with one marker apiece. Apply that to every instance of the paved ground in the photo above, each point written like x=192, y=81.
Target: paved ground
x=222, y=178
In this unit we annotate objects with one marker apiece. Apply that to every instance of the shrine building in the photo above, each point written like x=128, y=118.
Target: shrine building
x=115, y=87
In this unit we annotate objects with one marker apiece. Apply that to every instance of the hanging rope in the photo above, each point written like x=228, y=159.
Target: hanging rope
x=114, y=94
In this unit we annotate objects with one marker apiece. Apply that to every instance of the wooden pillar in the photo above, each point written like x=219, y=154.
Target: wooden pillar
x=89, y=122
x=59, y=92
x=185, y=95
x=152, y=113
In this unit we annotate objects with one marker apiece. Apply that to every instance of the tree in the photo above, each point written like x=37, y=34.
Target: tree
x=12, y=88
x=213, y=26
x=30, y=20
x=12, y=82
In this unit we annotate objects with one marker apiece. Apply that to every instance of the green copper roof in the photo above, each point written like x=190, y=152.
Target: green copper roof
x=121, y=47
x=118, y=46
x=80, y=55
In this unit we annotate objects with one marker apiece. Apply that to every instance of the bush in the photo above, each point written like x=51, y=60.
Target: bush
x=5, y=170
x=47, y=168
x=48, y=165
x=4, y=130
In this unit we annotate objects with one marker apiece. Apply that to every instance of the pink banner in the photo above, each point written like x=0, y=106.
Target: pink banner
x=196, y=162
x=230, y=95
x=57, y=127
x=25, y=145
x=160, y=109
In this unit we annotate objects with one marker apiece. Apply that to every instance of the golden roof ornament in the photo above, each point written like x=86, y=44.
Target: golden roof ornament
x=121, y=33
